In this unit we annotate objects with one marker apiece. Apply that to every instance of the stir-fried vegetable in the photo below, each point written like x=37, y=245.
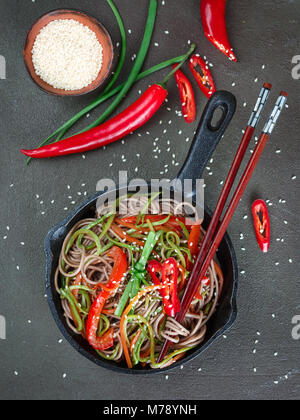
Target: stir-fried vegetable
x=168, y=274
x=187, y=97
x=193, y=242
x=261, y=224
x=137, y=274
x=204, y=77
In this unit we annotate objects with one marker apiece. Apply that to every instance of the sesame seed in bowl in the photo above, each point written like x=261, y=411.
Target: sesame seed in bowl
x=68, y=53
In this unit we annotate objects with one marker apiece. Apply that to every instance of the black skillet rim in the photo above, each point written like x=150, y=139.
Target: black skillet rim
x=103, y=363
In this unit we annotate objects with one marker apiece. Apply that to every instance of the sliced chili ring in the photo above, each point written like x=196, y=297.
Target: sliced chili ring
x=262, y=224
x=204, y=80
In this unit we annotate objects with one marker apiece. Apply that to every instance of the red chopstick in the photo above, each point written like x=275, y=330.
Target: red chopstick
x=252, y=124
x=207, y=253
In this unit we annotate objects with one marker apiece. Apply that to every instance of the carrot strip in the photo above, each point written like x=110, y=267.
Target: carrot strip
x=77, y=282
x=220, y=276
x=134, y=341
x=183, y=277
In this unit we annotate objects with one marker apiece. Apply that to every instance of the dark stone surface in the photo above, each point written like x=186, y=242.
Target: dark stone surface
x=34, y=198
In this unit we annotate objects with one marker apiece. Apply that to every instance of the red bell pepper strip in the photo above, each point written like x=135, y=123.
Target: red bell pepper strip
x=112, y=130
x=205, y=81
x=220, y=277
x=154, y=267
x=118, y=272
x=214, y=25
x=187, y=96
x=262, y=224
x=193, y=243
x=169, y=274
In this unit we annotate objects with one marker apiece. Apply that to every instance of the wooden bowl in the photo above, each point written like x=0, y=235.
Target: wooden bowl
x=101, y=34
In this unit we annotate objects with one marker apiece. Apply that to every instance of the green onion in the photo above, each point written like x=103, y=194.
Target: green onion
x=85, y=288
x=170, y=356
x=140, y=266
x=121, y=61
x=158, y=223
x=124, y=299
x=207, y=308
x=87, y=232
x=85, y=302
x=122, y=244
x=150, y=226
x=141, y=339
x=104, y=97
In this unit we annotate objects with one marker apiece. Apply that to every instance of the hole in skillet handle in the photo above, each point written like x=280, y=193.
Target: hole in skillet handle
x=211, y=129
x=217, y=119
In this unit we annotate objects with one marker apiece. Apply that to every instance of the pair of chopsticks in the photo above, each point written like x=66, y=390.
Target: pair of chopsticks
x=217, y=228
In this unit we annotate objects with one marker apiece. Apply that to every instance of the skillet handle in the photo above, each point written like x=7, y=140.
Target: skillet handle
x=208, y=136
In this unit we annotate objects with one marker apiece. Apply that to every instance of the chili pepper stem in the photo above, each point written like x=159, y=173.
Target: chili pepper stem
x=170, y=75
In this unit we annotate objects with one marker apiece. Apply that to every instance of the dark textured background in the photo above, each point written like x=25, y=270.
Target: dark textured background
x=259, y=358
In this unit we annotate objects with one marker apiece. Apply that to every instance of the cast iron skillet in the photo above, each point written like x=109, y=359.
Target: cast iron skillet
x=204, y=144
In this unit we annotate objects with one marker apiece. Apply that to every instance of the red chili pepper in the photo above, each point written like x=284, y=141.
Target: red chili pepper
x=204, y=80
x=261, y=224
x=169, y=274
x=187, y=96
x=214, y=25
x=154, y=267
x=117, y=274
x=169, y=280
x=115, y=129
